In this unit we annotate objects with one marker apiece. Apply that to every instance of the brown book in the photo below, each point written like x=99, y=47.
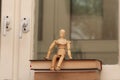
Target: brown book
x=83, y=64
x=85, y=69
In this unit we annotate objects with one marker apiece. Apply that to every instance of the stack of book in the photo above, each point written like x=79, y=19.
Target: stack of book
x=85, y=69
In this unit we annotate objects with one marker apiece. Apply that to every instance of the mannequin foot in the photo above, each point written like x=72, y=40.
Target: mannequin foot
x=57, y=68
x=52, y=69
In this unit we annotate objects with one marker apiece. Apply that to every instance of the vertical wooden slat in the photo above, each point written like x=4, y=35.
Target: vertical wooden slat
x=6, y=58
x=25, y=41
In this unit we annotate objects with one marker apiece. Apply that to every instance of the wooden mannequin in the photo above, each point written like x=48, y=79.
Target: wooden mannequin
x=63, y=45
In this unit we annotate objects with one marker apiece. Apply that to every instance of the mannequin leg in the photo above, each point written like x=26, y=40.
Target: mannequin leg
x=59, y=62
x=53, y=62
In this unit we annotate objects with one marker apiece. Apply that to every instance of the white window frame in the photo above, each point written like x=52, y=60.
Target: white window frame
x=19, y=51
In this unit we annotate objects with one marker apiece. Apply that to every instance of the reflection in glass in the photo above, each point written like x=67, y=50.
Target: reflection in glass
x=88, y=20
x=93, y=21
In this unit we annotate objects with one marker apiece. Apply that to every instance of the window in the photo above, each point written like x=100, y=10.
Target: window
x=91, y=25
x=94, y=19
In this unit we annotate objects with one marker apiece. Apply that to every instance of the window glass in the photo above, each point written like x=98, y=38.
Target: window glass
x=91, y=25
x=94, y=19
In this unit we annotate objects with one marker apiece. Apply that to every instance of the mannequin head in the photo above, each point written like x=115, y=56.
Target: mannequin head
x=62, y=33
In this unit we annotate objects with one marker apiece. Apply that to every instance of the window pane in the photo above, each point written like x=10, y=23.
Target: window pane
x=94, y=19
x=92, y=28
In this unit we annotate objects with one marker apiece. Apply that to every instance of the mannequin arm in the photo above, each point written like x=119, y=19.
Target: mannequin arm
x=68, y=49
x=50, y=49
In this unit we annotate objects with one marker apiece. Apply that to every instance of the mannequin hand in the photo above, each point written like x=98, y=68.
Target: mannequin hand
x=46, y=58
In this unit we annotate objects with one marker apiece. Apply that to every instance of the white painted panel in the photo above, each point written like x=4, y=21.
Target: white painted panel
x=16, y=39
x=6, y=58
x=25, y=41
x=110, y=72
